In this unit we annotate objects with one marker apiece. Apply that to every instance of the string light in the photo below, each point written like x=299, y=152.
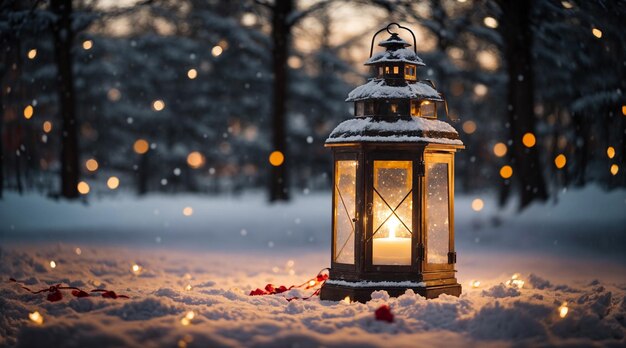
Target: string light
x=475, y=284
x=477, y=204
x=506, y=172
x=136, y=269
x=28, y=112
x=53, y=264
x=32, y=53
x=469, y=127
x=276, y=158
x=563, y=310
x=186, y=320
x=47, y=127
x=610, y=151
x=36, y=317
x=499, y=149
x=113, y=182
x=83, y=188
x=158, y=105
x=614, y=169
x=490, y=22
x=195, y=159
x=141, y=146
x=560, y=161
x=529, y=140
x=596, y=32
x=216, y=51
x=91, y=165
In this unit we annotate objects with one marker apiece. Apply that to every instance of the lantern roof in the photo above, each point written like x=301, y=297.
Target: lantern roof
x=396, y=52
x=376, y=130
x=377, y=88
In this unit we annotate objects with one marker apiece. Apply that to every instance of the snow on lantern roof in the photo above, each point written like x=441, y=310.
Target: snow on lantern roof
x=413, y=130
x=403, y=55
x=378, y=89
x=394, y=41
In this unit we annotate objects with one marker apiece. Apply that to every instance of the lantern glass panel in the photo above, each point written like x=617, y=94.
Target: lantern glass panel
x=437, y=213
x=392, y=213
x=345, y=211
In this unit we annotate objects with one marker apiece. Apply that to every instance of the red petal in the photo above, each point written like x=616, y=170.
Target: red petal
x=383, y=313
x=79, y=293
x=55, y=296
x=109, y=294
x=281, y=289
x=257, y=292
x=270, y=288
x=322, y=277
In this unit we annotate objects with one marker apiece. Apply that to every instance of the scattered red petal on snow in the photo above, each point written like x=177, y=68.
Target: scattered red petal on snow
x=322, y=277
x=269, y=288
x=257, y=292
x=280, y=289
x=383, y=313
x=55, y=296
x=110, y=294
x=80, y=293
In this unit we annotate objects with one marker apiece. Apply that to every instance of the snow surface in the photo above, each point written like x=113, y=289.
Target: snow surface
x=415, y=129
x=569, y=252
x=405, y=55
x=378, y=89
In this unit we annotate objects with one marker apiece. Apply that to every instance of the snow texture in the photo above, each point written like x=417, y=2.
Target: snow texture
x=413, y=130
x=404, y=55
x=378, y=89
x=585, y=269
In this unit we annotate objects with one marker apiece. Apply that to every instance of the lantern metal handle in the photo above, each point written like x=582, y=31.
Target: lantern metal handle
x=387, y=28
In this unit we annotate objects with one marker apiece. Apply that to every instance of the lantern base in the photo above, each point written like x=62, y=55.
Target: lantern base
x=334, y=292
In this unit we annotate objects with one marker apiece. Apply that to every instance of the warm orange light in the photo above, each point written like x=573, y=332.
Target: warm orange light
x=158, y=105
x=28, y=112
x=500, y=149
x=276, y=158
x=47, y=127
x=192, y=74
x=624, y=110
x=53, y=264
x=141, y=146
x=36, y=317
x=136, y=269
x=563, y=310
x=32, y=53
x=195, y=160
x=475, y=284
x=113, y=182
x=596, y=32
x=469, y=127
x=529, y=140
x=216, y=51
x=91, y=165
x=87, y=44
x=560, y=161
x=83, y=188
x=480, y=90
x=490, y=22
x=188, y=211
x=506, y=172
x=567, y=4
x=610, y=151
x=614, y=169
x=478, y=204
x=114, y=94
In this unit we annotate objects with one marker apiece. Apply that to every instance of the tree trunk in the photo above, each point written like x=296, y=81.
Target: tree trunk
x=517, y=36
x=279, y=186
x=63, y=37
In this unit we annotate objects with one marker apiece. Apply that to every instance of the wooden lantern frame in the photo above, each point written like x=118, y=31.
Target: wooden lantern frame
x=427, y=279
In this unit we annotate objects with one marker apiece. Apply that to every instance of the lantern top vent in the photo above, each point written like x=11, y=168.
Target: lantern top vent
x=396, y=49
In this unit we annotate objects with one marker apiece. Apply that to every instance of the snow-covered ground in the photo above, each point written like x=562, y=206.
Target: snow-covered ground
x=569, y=252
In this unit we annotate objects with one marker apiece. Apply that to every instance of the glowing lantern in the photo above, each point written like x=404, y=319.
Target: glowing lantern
x=393, y=198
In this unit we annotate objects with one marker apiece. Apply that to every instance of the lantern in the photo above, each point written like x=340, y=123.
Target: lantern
x=393, y=184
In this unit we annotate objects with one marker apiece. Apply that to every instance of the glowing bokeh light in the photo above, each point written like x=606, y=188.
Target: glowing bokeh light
x=478, y=204
x=469, y=127
x=216, y=51
x=188, y=211
x=91, y=165
x=36, y=317
x=614, y=169
x=195, y=160
x=28, y=112
x=47, y=127
x=32, y=53
x=276, y=158
x=113, y=182
x=560, y=161
x=506, y=172
x=87, y=44
x=596, y=32
x=141, y=146
x=610, y=151
x=83, y=188
x=158, y=105
x=192, y=74
x=529, y=140
x=490, y=22
x=500, y=149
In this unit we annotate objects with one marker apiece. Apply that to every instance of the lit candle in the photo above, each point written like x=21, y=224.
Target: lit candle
x=392, y=250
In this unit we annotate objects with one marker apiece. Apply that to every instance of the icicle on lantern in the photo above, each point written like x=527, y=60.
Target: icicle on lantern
x=393, y=197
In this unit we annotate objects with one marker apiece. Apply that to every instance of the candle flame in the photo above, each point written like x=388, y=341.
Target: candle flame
x=346, y=300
